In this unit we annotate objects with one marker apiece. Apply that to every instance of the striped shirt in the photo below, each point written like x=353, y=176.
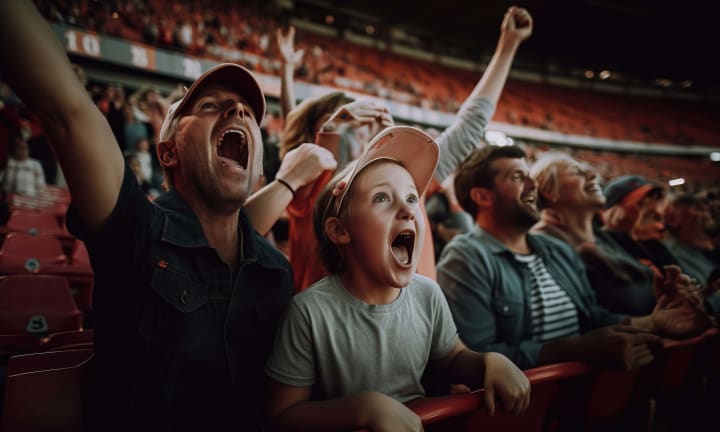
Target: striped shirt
x=554, y=315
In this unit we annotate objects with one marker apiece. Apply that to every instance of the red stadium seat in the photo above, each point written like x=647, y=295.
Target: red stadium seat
x=37, y=304
x=46, y=391
x=69, y=340
x=466, y=412
x=12, y=344
x=34, y=222
x=24, y=253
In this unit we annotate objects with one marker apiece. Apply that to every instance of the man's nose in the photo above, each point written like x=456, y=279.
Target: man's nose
x=233, y=109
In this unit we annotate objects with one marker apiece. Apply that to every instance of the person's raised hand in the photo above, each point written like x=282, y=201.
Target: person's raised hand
x=364, y=112
x=304, y=164
x=517, y=25
x=286, y=45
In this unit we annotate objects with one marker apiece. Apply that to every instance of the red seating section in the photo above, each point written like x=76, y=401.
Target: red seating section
x=37, y=304
x=46, y=391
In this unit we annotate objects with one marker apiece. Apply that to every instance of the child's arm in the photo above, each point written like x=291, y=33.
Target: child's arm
x=492, y=370
x=290, y=408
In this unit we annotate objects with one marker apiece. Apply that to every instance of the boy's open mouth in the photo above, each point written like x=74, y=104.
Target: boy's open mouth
x=402, y=247
x=233, y=146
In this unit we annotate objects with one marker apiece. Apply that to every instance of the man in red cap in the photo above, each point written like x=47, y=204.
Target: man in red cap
x=187, y=295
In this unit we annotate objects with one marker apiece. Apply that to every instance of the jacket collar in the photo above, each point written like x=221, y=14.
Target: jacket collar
x=496, y=247
x=182, y=228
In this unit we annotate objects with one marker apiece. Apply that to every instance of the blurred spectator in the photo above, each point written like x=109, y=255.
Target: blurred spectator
x=22, y=175
x=134, y=129
x=690, y=226
x=634, y=217
x=115, y=95
x=150, y=107
x=132, y=161
x=145, y=158
x=447, y=219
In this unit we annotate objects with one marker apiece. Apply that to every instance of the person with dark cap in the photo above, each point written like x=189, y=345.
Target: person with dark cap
x=690, y=226
x=187, y=295
x=634, y=217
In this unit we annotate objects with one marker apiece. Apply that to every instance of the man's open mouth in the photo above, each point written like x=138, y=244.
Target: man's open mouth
x=233, y=145
x=402, y=247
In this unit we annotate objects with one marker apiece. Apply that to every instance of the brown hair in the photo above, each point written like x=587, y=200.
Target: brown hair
x=477, y=171
x=300, y=122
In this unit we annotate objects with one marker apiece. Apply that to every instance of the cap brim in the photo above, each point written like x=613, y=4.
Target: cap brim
x=231, y=75
x=413, y=148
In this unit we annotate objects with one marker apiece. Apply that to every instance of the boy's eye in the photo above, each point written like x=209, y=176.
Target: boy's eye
x=412, y=198
x=208, y=105
x=380, y=197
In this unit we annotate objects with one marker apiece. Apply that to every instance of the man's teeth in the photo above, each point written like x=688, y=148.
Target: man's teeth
x=232, y=131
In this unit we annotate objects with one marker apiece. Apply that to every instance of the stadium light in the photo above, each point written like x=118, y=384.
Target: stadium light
x=676, y=181
x=715, y=156
x=498, y=138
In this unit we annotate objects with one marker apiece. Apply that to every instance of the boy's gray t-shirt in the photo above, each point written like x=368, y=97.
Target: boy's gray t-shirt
x=340, y=345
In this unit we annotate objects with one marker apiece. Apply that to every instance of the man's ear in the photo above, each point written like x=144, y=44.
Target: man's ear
x=482, y=197
x=166, y=154
x=336, y=232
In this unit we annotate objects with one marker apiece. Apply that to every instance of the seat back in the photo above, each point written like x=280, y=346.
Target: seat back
x=25, y=253
x=37, y=304
x=46, y=391
x=33, y=222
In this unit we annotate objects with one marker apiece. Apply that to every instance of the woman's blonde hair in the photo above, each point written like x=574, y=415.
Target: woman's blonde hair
x=545, y=173
x=301, y=122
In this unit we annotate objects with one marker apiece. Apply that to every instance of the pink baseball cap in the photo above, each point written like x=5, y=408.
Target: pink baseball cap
x=415, y=150
x=232, y=75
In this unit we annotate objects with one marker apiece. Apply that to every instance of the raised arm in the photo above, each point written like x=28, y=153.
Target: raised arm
x=468, y=129
x=290, y=59
x=302, y=166
x=39, y=71
x=299, y=167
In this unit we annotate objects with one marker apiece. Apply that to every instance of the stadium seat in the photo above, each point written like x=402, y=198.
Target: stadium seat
x=13, y=344
x=37, y=304
x=46, y=391
x=24, y=253
x=34, y=222
x=466, y=412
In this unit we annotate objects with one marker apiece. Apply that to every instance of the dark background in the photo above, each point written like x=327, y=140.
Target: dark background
x=643, y=39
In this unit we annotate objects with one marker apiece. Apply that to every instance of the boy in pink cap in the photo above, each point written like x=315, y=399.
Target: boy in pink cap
x=353, y=347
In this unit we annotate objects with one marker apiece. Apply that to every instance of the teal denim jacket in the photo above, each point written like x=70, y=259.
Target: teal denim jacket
x=488, y=291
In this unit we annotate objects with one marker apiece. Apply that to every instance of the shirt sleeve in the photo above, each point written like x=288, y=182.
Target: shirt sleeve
x=292, y=361
x=467, y=285
x=464, y=135
x=120, y=243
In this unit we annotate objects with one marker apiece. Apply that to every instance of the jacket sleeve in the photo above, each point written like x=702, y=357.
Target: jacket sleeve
x=467, y=282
